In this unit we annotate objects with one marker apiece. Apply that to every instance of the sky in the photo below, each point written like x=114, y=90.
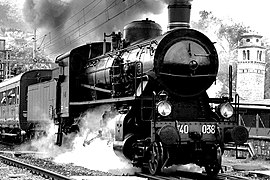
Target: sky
x=252, y=13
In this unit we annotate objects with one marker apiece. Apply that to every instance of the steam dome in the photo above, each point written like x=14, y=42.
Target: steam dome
x=141, y=30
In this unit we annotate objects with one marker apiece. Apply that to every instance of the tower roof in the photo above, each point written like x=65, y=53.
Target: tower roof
x=251, y=34
x=251, y=40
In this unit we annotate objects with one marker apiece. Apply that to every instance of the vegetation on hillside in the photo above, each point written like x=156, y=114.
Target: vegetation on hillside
x=19, y=42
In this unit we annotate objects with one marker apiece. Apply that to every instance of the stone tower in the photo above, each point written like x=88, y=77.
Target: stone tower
x=251, y=68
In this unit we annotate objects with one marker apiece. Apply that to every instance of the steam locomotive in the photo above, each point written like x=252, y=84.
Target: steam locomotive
x=157, y=82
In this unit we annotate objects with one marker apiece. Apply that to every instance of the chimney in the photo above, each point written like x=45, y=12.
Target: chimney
x=179, y=13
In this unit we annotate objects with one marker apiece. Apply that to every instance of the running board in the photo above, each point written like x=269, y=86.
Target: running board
x=102, y=101
x=137, y=94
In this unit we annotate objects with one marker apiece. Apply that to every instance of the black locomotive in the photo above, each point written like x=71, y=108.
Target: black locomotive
x=158, y=84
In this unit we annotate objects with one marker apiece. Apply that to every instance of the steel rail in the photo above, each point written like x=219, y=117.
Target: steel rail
x=152, y=177
x=189, y=175
x=231, y=177
x=34, y=169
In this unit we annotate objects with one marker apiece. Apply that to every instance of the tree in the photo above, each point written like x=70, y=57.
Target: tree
x=227, y=34
x=207, y=20
x=19, y=45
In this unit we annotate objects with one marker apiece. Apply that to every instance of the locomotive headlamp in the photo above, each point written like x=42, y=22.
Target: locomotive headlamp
x=226, y=110
x=164, y=108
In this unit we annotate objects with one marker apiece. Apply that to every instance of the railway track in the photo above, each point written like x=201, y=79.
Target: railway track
x=227, y=176
x=179, y=175
x=34, y=169
x=184, y=175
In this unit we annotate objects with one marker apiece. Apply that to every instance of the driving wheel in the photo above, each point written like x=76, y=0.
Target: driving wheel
x=156, y=158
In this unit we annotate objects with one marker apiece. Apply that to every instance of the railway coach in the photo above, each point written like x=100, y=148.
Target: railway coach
x=14, y=125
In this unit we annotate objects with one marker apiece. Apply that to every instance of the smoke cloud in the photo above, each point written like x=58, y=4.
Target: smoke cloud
x=46, y=13
x=66, y=24
x=174, y=1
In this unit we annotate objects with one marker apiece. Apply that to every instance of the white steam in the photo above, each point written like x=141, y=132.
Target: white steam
x=97, y=154
x=89, y=148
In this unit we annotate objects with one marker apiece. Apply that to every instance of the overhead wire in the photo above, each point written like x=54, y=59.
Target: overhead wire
x=69, y=33
x=75, y=30
x=43, y=37
x=69, y=19
x=96, y=27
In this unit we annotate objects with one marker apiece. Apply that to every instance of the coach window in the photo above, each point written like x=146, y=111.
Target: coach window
x=17, y=95
x=11, y=96
x=1, y=96
x=4, y=99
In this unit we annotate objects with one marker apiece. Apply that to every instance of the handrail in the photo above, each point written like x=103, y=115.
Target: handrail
x=184, y=76
x=134, y=74
x=236, y=108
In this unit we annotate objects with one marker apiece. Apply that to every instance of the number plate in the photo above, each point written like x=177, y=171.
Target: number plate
x=208, y=129
x=205, y=128
x=183, y=128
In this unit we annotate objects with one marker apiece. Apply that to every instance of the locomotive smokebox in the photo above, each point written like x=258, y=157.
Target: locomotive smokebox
x=179, y=13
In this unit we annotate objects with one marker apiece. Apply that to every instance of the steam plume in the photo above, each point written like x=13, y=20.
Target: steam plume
x=45, y=13
x=174, y=1
x=136, y=12
x=83, y=23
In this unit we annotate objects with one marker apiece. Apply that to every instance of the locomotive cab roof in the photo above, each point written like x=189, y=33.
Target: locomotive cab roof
x=94, y=49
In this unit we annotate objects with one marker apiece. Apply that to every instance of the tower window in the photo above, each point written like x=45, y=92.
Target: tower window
x=260, y=56
x=244, y=54
x=248, y=54
x=247, y=40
